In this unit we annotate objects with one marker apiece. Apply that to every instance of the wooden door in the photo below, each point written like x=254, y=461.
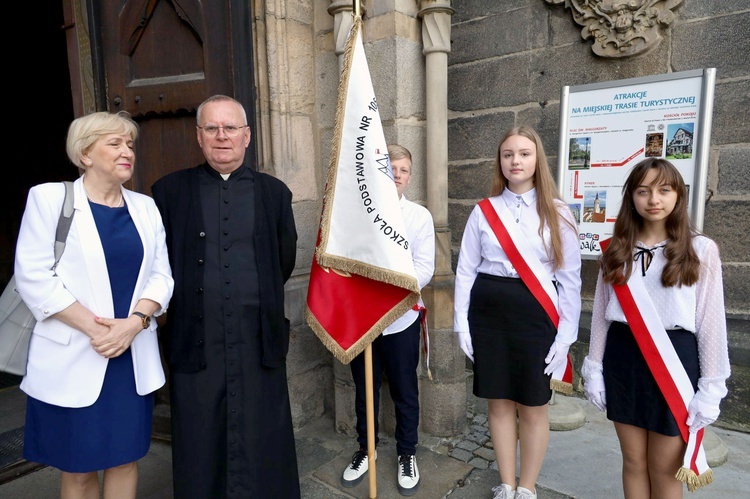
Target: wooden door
x=160, y=59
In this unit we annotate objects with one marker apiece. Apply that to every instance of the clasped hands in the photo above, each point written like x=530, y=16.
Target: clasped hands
x=115, y=336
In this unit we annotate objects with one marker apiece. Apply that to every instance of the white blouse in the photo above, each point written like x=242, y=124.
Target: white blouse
x=481, y=252
x=421, y=232
x=698, y=308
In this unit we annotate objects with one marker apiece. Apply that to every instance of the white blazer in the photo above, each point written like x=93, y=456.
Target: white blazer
x=63, y=369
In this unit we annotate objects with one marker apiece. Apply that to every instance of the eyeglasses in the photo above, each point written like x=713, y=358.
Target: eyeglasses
x=229, y=130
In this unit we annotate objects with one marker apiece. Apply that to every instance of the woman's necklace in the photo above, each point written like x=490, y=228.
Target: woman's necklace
x=119, y=202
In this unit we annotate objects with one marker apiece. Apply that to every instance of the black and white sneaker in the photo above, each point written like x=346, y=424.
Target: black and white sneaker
x=356, y=470
x=408, y=474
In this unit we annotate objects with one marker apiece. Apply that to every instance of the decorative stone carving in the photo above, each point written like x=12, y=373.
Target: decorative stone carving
x=343, y=18
x=436, y=27
x=621, y=28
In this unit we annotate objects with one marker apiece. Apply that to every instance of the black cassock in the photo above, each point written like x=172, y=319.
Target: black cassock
x=233, y=418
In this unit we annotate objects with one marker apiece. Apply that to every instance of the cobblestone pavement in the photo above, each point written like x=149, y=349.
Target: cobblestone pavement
x=474, y=446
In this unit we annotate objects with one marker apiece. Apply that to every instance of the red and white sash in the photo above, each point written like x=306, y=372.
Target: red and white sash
x=425, y=336
x=534, y=276
x=668, y=372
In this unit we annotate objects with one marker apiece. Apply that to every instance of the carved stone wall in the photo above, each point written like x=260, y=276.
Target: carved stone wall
x=622, y=28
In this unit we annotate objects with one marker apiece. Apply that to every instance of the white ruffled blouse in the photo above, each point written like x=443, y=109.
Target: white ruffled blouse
x=698, y=308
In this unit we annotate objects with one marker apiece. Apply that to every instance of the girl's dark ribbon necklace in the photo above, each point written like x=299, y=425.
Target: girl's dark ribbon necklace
x=646, y=256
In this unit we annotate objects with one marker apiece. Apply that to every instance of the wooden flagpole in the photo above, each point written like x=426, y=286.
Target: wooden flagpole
x=370, y=405
x=369, y=399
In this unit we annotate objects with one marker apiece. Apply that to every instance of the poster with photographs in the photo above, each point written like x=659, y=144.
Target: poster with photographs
x=607, y=128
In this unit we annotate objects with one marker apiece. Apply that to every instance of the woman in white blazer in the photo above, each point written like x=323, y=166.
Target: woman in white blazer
x=94, y=360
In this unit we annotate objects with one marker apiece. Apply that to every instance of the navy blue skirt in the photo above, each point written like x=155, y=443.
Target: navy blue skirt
x=511, y=334
x=115, y=430
x=633, y=397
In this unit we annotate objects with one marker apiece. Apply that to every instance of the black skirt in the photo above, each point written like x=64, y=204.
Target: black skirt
x=633, y=397
x=511, y=334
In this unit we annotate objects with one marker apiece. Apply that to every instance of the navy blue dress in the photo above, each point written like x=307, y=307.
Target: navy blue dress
x=116, y=429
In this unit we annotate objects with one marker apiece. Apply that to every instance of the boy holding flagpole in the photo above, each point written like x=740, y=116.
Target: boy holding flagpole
x=396, y=351
x=362, y=255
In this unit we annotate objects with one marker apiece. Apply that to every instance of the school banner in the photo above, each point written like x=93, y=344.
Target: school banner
x=362, y=276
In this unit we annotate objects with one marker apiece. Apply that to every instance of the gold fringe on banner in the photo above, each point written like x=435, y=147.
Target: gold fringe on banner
x=337, y=132
x=373, y=272
x=346, y=356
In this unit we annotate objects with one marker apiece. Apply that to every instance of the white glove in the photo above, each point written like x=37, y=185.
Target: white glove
x=556, y=358
x=702, y=411
x=596, y=393
x=593, y=384
x=464, y=341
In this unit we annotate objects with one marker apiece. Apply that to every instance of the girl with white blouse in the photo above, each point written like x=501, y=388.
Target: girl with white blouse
x=680, y=271
x=502, y=327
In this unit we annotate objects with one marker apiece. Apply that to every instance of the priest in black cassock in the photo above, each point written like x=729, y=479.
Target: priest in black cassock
x=232, y=245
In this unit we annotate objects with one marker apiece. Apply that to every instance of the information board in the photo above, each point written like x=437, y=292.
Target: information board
x=606, y=128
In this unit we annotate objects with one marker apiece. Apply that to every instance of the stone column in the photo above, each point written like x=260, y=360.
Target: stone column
x=343, y=18
x=443, y=399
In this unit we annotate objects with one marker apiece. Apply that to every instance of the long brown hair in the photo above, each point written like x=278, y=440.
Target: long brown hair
x=683, y=265
x=546, y=192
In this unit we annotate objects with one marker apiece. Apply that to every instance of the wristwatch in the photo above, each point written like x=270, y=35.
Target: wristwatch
x=145, y=319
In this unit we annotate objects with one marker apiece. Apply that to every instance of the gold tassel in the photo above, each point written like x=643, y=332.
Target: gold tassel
x=561, y=386
x=429, y=374
x=703, y=480
x=693, y=481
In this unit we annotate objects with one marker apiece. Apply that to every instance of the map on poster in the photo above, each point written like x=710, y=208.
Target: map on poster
x=609, y=127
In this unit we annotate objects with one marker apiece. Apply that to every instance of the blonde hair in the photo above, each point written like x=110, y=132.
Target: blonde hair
x=548, y=201
x=84, y=131
x=396, y=151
